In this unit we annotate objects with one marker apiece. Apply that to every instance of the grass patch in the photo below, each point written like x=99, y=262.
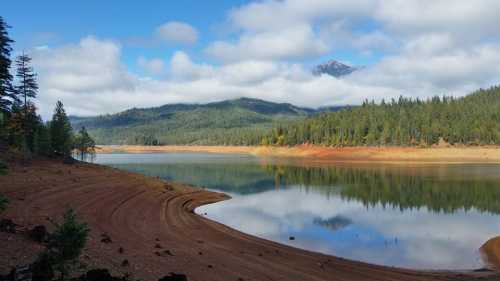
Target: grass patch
x=3, y=203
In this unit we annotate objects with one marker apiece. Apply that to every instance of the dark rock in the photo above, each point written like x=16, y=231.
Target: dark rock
x=98, y=275
x=42, y=269
x=68, y=160
x=164, y=253
x=174, y=277
x=7, y=225
x=125, y=263
x=39, y=233
x=22, y=273
x=105, y=238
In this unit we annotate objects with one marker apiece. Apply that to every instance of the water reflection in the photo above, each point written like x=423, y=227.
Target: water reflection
x=418, y=217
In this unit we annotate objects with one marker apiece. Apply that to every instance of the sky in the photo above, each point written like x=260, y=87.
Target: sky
x=101, y=57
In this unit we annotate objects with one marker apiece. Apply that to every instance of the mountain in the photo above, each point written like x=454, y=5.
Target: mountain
x=239, y=121
x=334, y=68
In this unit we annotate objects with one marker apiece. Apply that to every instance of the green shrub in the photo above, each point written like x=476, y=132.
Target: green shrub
x=66, y=243
x=3, y=203
x=3, y=168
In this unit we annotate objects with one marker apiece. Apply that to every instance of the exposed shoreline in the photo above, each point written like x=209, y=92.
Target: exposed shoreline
x=483, y=154
x=139, y=212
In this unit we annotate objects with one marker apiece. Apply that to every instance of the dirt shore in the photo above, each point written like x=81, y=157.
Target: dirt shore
x=154, y=223
x=488, y=154
x=490, y=252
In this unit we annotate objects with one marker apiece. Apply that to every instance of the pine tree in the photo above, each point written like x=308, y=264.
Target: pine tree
x=84, y=144
x=6, y=90
x=28, y=86
x=61, y=131
x=42, y=143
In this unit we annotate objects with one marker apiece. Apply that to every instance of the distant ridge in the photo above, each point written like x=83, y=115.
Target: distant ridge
x=236, y=121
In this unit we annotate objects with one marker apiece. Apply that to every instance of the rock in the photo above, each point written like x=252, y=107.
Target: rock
x=105, y=238
x=7, y=225
x=125, y=263
x=68, y=160
x=174, y=277
x=98, y=275
x=42, y=269
x=164, y=253
x=22, y=273
x=39, y=233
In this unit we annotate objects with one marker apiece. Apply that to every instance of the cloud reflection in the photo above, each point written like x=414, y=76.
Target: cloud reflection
x=414, y=238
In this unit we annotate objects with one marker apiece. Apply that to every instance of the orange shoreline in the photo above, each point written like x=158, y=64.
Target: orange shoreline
x=482, y=154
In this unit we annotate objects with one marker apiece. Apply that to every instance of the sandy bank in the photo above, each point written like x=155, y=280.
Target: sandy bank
x=490, y=252
x=347, y=154
x=154, y=223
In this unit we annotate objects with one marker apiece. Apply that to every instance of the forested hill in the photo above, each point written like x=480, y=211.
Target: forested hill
x=239, y=122
x=470, y=120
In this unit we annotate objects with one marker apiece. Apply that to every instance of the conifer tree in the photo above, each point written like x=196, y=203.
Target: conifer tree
x=84, y=144
x=61, y=131
x=27, y=88
x=6, y=90
x=28, y=85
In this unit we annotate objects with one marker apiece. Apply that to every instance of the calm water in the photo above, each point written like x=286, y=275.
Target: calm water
x=425, y=217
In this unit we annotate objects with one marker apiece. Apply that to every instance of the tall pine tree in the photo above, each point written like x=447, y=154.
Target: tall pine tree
x=27, y=88
x=6, y=90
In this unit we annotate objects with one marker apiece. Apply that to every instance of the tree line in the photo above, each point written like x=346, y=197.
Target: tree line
x=469, y=120
x=21, y=127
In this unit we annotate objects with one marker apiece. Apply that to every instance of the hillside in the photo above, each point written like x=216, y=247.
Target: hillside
x=240, y=122
x=469, y=120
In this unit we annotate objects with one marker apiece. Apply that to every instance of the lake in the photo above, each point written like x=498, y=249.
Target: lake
x=415, y=216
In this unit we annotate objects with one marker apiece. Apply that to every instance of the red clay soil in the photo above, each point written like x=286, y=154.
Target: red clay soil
x=154, y=223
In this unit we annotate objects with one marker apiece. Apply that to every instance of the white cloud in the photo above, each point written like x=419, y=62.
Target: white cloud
x=470, y=20
x=153, y=66
x=90, y=79
x=177, y=32
x=293, y=42
x=92, y=64
x=278, y=15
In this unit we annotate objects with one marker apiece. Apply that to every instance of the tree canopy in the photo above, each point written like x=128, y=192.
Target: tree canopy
x=470, y=120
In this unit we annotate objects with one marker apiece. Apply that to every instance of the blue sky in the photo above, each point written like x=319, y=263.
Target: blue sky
x=55, y=23
x=121, y=54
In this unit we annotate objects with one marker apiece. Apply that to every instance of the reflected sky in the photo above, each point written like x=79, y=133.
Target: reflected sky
x=424, y=217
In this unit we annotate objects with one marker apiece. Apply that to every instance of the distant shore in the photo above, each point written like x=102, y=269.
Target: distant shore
x=472, y=154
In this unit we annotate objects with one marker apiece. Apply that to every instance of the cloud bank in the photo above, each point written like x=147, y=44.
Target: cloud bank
x=425, y=48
